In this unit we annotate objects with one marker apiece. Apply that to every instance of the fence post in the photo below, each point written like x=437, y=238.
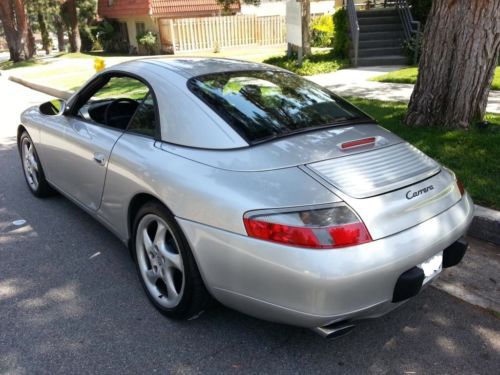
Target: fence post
x=172, y=34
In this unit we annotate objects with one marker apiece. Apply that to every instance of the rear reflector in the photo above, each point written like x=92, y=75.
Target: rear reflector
x=324, y=228
x=358, y=142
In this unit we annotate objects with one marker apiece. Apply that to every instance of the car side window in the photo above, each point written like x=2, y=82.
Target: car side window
x=122, y=88
x=114, y=102
x=144, y=120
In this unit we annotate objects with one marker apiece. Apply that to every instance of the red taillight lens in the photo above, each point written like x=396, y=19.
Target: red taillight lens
x=460, y=187
x=325, y=228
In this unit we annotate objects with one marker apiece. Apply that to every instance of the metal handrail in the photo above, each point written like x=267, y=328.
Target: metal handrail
x=410, y=26
x=354, y=27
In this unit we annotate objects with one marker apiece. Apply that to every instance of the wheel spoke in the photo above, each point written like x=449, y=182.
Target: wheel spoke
x=152, y=276
x=34, y=178
x=159, y=239
x=169, y=283
x=34, y=164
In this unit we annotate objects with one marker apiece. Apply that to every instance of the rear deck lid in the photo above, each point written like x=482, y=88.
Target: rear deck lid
x=377, y=171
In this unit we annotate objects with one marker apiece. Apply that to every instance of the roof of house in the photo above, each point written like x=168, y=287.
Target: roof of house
x=161, y=8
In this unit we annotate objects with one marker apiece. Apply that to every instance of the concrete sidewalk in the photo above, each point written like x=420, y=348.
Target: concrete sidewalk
x=355, y=82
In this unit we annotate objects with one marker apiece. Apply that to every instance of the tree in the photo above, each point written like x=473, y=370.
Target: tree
x=58, y=23
x=15, y=25
x=306, y=29
x=45, y=17
x=70, y=17
x=461, y=45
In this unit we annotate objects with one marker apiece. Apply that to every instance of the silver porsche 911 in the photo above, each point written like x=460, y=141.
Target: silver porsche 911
x=251, y=185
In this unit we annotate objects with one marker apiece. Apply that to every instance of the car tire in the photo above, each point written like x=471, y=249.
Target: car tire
x=32, y=168
x=165, y=264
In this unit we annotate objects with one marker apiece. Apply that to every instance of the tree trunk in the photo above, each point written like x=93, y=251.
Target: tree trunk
x=73, y=31
x=306, y=32
x=15, y=24
x=59, y=25
x=31, y=42
x=460, y=50
x=46, y=41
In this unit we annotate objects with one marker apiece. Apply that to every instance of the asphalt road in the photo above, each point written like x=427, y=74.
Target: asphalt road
x=71, y=303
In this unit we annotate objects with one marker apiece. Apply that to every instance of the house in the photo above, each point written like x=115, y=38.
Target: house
x=138, y=16
x=278, y=7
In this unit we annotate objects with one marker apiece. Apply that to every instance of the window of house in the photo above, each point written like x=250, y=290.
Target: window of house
x=124, y=31
x=140, y=28
x=110, y=3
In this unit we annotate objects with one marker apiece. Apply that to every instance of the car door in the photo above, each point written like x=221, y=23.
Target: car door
x=89, y=139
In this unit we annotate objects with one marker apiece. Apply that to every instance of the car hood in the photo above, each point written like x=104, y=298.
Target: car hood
x=300, y=149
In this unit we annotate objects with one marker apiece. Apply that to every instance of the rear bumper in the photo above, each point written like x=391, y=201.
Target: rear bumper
x=313, y=288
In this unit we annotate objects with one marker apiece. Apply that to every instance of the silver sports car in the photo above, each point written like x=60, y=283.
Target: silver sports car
x=246, y=183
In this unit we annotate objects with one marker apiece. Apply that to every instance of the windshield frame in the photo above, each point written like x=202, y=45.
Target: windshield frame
x=226, y=116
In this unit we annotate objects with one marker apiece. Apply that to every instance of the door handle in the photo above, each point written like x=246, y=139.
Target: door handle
x=99, y=158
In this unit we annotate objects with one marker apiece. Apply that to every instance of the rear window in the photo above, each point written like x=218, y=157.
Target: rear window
x=263, y=105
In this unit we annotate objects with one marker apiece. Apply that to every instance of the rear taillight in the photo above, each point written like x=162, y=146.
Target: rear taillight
x=323, y=228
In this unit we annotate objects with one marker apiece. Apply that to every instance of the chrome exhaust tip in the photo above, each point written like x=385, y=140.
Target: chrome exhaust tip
x=334, y=330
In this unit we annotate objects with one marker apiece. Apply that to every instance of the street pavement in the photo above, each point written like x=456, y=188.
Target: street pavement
x=71, y=303
x=4, y=56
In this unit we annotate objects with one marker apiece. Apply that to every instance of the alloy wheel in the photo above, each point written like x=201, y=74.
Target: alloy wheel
x=30, y=164
x=160, y=261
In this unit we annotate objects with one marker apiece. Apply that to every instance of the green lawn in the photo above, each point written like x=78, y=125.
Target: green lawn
x=7, y=65
x=473, y=154
x=317, y=63
x=409, y=75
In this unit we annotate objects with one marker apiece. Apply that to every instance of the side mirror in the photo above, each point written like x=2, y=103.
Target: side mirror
x=53, y=108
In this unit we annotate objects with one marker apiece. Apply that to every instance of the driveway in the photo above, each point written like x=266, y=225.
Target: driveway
x=70, y=302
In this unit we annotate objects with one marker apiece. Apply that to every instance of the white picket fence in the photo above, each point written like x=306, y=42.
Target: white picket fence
x=209, y=33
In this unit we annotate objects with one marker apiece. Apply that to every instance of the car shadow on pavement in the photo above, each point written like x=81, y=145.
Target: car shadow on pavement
x=71, y=302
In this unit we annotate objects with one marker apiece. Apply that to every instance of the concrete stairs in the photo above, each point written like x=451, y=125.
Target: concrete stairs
x=380, y=38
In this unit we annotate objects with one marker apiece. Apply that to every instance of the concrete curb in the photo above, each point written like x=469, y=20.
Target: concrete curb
x=485, y=226
x=45, y=89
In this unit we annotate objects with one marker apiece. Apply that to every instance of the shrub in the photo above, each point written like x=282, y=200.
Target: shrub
x=410, y=47
x=109, y=37
x=87, y=39
x=341, y=43
x=148, y=40
x=322, y=31
x=315, y=64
